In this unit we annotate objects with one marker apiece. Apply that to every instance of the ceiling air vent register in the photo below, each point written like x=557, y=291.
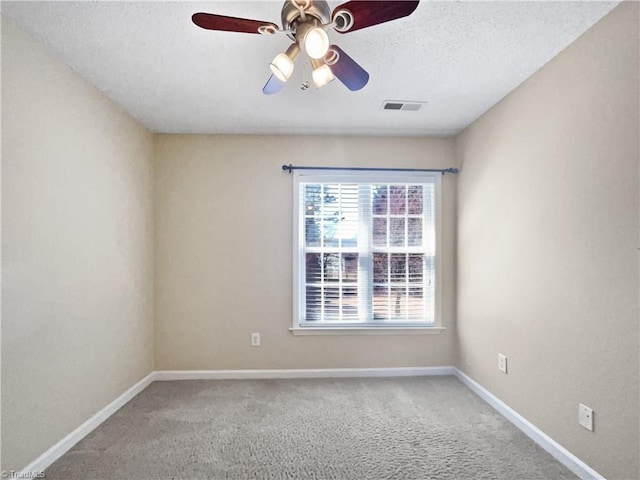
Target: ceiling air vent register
x=402, y=105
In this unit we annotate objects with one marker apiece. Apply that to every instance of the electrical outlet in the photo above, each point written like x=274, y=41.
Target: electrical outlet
x=255, y=339
x=585, y=416
x=502, y=363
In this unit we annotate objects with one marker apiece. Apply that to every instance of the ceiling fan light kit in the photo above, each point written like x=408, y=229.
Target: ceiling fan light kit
x=321, y=73
x=306, y=22
x=282, y=65
x=316, y=42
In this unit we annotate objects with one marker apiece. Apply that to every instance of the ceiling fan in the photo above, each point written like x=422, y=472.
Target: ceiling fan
x=306, y=22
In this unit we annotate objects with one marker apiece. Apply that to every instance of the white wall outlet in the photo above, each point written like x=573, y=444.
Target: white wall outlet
x=502, y=363
x=255, y=339
x=585, y=416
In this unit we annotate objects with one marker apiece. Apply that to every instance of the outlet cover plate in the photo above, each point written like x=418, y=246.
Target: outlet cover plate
x=255, y=339
x=502, y=363
x=585, y=416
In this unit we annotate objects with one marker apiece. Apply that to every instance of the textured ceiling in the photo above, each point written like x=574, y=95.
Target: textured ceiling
x=460, y=57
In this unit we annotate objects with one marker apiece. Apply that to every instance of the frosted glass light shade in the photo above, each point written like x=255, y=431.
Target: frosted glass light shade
x=282, y=67
x=322, y=75
x=316, y=42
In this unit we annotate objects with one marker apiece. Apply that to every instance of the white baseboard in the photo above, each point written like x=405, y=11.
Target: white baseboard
x=564, y=456
x=163, y=375
x=64, y=445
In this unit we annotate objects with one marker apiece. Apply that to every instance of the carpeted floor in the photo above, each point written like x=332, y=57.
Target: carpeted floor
x=345, y=429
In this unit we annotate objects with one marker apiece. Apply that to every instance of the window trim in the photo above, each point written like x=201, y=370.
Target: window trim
x=341, y=176
x=366, y=330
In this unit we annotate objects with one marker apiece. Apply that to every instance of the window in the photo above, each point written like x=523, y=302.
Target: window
x=365, y=250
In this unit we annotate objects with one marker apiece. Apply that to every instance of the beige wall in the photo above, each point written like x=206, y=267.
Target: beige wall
x=77, y=250
x=223, y=253
x=547, y=241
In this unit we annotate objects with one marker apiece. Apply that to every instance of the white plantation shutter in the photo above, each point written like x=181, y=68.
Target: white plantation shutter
x=365, y=249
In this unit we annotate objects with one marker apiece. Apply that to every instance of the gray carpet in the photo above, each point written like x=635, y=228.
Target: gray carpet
x=375, y=428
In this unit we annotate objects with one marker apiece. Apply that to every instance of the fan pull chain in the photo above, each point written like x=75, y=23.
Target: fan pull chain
x=305, y=77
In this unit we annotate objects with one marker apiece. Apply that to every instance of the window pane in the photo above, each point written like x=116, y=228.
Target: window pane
x=397, y=199
x=398, y=267
x=380, y=203
x=380, y=268
x=348, y=219
x=311, y=232
x=347, y=229
x=332, y=303
x=380, y=232
x=350, y=267
x=313, y=268
x=414, y=230
x=330, y=214
x=312, y=197
x=416, y=304
x=398, y=303
x=396, y=232
x=329, y=230
x=416, y=262
x=313, y=304
x=414, y=199
x=380, y=303
x=331, y=265
x=350, y=304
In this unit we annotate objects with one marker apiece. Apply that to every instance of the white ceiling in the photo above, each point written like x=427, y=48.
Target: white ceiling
x=460, y=57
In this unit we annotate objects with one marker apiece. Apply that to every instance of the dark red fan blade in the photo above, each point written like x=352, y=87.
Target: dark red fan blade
x=368, y=13
x=273, y=85
x=348, y=71
x=209, y=21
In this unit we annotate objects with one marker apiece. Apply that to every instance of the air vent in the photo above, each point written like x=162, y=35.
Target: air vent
x=402, y=105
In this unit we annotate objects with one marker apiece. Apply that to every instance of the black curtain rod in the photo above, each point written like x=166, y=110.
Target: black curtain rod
x=290, y=168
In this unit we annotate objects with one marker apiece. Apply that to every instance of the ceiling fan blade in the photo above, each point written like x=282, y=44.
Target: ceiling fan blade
x=273, y=85
x=347, y=70
x=209, y=21
x=368, y=13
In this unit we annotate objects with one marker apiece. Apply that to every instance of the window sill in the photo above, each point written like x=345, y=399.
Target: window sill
x=367, y=331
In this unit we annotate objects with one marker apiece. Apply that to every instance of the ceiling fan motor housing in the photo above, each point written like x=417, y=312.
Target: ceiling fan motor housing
x=318, y=9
